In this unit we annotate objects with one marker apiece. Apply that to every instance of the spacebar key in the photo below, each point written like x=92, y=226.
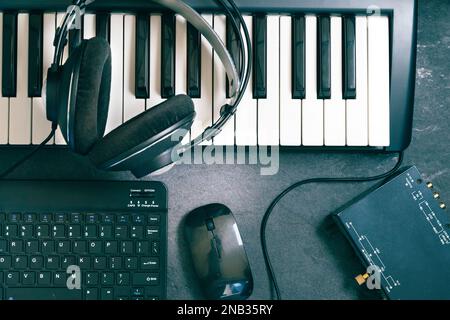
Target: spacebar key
x=42, y=294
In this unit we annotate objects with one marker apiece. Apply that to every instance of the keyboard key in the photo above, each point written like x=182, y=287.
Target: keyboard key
x=9, y=62
x=102, y=25
x=79, y=247
x=152, y=232
x=36, y=262
x=138, y=218
x=84, y=263
x=233, y=46
x=168, y=55
x=16, y=246
x=290, y=107
x=107, y=278
x=4, y=103
x=10, y=231
x=91, y=294
x=35, y=58
x=123, y=279
x=349, y=57
x=107, y=294
x=44, y=278
x=48, y=247
x=67, y=261
x=60, y=218
x=28, y=278
x=123, y=218
x=42, y=294
x=90, y=231
x=142, y=76
x=357, y=109
x=142, y=247
x=63, y=246
x=149, y=263
x=108, y=218
x=126, y=247
x=154, y=219
x=312, y=108
x=26, y=231
x=194, y=55
x=115, y=115
x=20, y=105
x=59, y=279
x=32, y=246
x=137, y=232
x=20, y=262
x=106, y=232
x=260, y=56
x=298, y=55
x=42, y=231
x=145, y=279
x=91, y=278
x=110, y=247
x=121, y=232
x=14, y=217
x=59, y=231
x=132, y=106
x=75, y=218
x=115, y=263
x=74, y=231
x=5, y=262
x=45, y=217
x=131, y=263
x=334, y=108
x=155, y=61
x=12, y=278
x=379, y=81
x=3, y=246
x=324, y=58
x=52, y=262
x=155, y=248
x=92, y=218
x=89, y=26
x=29, y=218
x=100, y=263
x=95, y=247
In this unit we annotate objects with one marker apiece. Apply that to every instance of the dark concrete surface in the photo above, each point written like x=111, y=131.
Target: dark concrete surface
x=311, y=257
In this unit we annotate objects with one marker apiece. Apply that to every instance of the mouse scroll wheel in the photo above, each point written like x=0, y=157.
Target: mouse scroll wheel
x=210, y=224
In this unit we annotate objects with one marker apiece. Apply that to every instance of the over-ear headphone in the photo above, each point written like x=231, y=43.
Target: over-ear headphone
x=78, y=94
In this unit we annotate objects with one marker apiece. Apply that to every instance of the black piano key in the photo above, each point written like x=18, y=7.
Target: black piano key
x=260, y=57
x=9, y=63
x=142, y=74
x=194, y=65
x=103, y=25
x=233, y=46
x=349, y=57
x=324, y=58
x=74, y=39
x=35, y=54
x=298, y=57
x=167, y=55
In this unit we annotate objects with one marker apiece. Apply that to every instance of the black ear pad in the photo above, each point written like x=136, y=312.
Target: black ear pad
x=90, y=111
x=144, y=130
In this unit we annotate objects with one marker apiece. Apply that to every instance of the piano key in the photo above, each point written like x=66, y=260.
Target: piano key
x=181, y=62
x=379, y=80
x=349, y=60
x=226, y=137
x=4, y=103
x=298, y=56
x=260, y=56
x=155, y=62
x=269, y=106
x=35, y=35
x=116, y=115
x=20, y=106
x=324, y=58
x=103, y=25
x=204, y=105
x=74, y=39
x=59, y=138
x=41, y=126
x=334, y=108
x=233, y=46
x=312, y=108
x=89, y=22
x=131, y=106
x=246, y=114
x=142, y=56
x=193, y=62
x=9, y=62
x=357, y=120
x=290, y=108
x=168, y=55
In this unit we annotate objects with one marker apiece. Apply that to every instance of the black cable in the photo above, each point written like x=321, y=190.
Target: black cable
x=269, y=267
x=29, y=155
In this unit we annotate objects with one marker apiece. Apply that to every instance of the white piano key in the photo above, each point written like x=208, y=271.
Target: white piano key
x=4, y=104
x=226, y=137
x=131, y=106
x=115, y=117
x=269, y=108
x=246, y=114
x=379, y=76
x=41, y=126
x=290, y=109
x=59, y=138
x=334, y=109
x=20, y=106
x=89, y=26
x=312, y=111
x=204, y=105
x=357, y=121
x=155, y=62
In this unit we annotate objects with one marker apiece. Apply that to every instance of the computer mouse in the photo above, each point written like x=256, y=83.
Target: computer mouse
x=218, y=254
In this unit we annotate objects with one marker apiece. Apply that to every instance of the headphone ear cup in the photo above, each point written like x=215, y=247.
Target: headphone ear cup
x=138, y=144
x=87, y=121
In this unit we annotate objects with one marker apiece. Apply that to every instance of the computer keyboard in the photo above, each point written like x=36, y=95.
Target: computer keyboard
x=114, y=232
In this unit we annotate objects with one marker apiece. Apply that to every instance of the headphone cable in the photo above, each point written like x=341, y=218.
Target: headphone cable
x=267, y=214
x=30, y=154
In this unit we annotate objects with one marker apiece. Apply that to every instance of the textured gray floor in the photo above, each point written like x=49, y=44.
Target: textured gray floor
x=310, y=256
